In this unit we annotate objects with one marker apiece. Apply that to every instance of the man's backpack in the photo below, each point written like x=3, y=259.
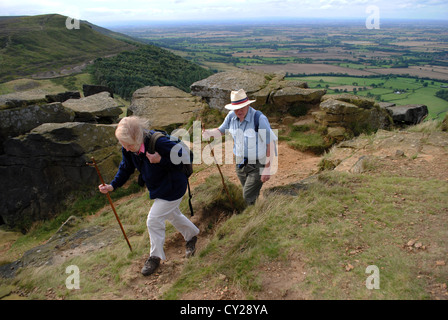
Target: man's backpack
x=187, y=168
x=257, y=115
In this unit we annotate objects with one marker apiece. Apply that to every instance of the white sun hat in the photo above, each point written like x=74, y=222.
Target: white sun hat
x=238, y=100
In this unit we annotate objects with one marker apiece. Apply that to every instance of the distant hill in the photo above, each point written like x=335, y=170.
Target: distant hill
x=32, y=44
x=147, y=66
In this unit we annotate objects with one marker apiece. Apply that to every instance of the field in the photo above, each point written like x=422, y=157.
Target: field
x=398, y=90
x=410, y=57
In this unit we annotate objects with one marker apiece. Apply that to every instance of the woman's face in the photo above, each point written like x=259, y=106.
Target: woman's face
x=129, y=147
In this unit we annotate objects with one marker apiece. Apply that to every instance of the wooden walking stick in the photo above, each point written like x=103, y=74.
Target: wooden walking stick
x=110, y=201
x=219, y=168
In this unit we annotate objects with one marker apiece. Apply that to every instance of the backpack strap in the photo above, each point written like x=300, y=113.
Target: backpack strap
x=153, y=137
x=152, y=141
x=257, y=119
x=257, y=115
x=189, y=198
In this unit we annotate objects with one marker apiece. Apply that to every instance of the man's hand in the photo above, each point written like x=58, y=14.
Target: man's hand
x=153, y=158
x=207, y=134
x=266, y=174
x=105, y=188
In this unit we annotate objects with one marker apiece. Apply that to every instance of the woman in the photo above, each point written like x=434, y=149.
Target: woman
x=166, y=185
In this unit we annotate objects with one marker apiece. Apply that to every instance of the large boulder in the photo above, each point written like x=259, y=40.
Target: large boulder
x=63, y=96
x=361, y=102
x=445, y=123
x=21, y=99
x=351, y=115
x=164, y=107
x=17, y=121
x=410, y=114
x=40, y=170
x=296, y=100
x=216, y=88
x=265, y=88
x=97, y=108
x=90, y=89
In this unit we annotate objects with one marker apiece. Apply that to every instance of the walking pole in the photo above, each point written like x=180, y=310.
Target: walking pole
x=222, y=177
x=110, y=201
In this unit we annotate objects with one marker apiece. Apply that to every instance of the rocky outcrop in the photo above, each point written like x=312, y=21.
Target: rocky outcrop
x=347, y=115
x=97, y=108
x=66, y=242
x=89, y=90
x=44, y=147
x=63, y=96
x=21, y=99
x=265, y=89
x=354, y=155
x=39, y=170
x=164, y=107
x=17, y=121
x=216, y=88
x=445, y=123
x=410, y=114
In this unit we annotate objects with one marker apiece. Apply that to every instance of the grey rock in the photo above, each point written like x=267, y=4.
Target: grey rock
x=216, y=89
x=410, y=114
x=89, y=90
x=17, y=121
x=97, y=108
x=40, y=170
x=164, y=107
x=63, y=96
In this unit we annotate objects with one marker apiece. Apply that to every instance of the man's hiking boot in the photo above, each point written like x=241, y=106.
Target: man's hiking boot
x=190, y=247
x=150, y=266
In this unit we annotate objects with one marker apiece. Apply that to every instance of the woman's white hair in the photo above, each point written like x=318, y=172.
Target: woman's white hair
x=131, y=130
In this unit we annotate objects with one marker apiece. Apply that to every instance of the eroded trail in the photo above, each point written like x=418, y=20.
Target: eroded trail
x=293, y=166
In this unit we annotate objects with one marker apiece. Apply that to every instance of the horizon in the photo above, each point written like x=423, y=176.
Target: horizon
x=118, y=13
x=249, y=21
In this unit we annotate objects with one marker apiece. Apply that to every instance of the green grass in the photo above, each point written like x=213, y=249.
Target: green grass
x=342, y=219
x=41, y=43
x=84, y=204
x=308, y=138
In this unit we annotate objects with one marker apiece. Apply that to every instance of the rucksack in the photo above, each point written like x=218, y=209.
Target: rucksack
x=257, y=115
x=257, y=119
x=187, y=168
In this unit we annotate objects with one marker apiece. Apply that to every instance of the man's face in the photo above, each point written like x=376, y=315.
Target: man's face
x=241, y=113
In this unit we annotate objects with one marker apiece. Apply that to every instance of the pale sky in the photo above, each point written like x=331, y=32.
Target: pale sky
x=115, y=12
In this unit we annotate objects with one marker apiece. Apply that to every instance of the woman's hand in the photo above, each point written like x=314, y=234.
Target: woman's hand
x=153, y=158
x=105, y=188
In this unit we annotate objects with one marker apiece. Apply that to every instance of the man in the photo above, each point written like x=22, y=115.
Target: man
x=166, y=185
x=254, y=148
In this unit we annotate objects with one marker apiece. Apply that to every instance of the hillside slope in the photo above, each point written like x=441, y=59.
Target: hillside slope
x=42, y=43
x=305, y=240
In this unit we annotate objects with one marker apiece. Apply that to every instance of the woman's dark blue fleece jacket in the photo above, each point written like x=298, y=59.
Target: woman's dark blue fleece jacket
x=164, y=180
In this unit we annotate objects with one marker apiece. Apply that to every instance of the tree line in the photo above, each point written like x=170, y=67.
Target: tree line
x=146, y=66
x=442, y=94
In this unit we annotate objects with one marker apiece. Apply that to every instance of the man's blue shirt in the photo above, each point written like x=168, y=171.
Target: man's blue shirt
x=247, y=142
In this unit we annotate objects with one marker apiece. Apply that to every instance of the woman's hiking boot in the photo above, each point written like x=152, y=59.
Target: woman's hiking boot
x=150, y=266
x=190, y=247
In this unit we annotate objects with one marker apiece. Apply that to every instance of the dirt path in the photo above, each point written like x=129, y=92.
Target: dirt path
x=293, y=166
